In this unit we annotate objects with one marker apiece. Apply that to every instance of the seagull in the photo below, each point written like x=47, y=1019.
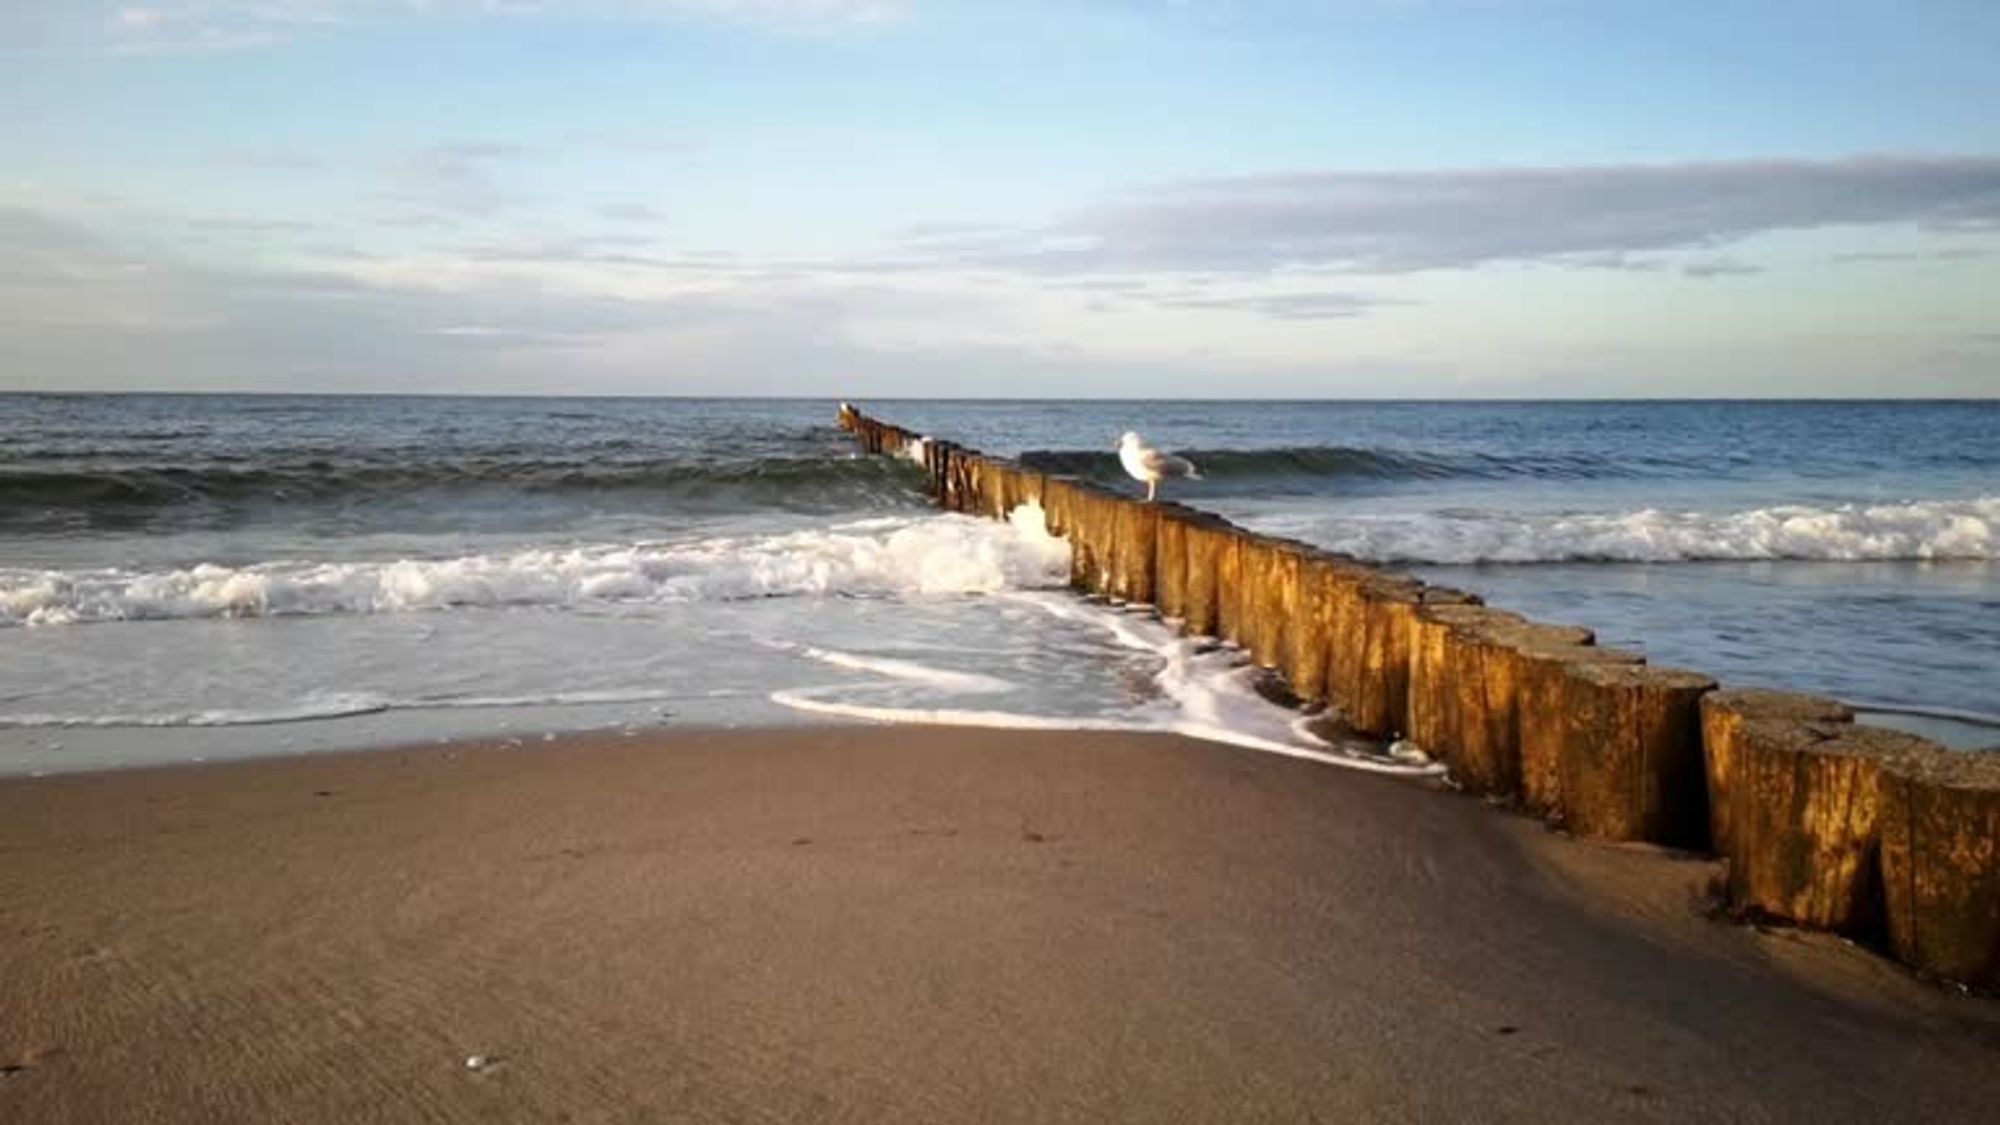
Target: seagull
x=1150, y=465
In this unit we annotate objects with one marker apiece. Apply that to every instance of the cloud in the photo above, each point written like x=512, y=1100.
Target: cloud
x=1284, y=306
x=140, y=19
x=75, y=304
x=105, y=293
x=631, y=213
x=1397, y=222
x=1941, y=254
x=204, y=26
x=779, y=13
x=213, y=26
x=1719, y=267
x=81, y=311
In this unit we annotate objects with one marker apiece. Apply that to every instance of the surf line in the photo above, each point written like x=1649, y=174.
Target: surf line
x=1186, y=688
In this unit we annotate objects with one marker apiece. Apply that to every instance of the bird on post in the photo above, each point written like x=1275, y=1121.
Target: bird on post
x=1151, y=465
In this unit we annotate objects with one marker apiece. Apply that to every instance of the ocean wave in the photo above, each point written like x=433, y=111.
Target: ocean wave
x=931, y=555
x=1918, y=530
x=1306, y=464
x=129, y=490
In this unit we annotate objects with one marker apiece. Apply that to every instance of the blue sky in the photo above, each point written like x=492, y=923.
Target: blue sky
x=1351, y=198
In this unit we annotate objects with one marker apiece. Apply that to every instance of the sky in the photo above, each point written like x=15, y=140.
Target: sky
x=978, y=198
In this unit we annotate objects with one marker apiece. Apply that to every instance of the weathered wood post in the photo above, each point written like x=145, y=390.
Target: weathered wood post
x=1940, y=824
x=1208, y=539
x=1170, y=561
x=1542, y=727
x=1439, y=646
x=1632, y=767
x=1723, y=714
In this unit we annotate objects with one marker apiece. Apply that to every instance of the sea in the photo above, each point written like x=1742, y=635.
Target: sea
x=196, y=577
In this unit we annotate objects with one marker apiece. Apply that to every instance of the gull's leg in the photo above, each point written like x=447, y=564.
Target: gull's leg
x=1152, y=486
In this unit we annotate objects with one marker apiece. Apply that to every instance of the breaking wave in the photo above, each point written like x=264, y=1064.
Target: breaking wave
x=1307, y=464
x=139, y=492
x=930, y=555
x=1919, y=530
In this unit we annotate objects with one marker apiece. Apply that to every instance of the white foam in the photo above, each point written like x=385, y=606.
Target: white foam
x=932, y=555
x=608, y=697
x=816, y=700
x=963, y=683
x=1922, y=529
x=308, y=710
x=1207, y=694
x=348, y=705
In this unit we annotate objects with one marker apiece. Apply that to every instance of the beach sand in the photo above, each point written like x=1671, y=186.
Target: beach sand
x=887, y=925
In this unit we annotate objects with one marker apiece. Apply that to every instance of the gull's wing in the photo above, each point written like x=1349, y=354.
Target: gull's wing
x=1168, y=465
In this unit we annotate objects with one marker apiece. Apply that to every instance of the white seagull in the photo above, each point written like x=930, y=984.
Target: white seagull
x=1150, y=465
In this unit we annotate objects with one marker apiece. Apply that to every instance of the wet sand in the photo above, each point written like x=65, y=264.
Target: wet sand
x=887, y=925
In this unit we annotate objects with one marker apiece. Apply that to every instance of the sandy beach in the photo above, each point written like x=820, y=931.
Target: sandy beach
x=878, y=925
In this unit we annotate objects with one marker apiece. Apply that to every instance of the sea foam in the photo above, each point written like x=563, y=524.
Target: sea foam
x=1205, y=693
x=1918, y=530
x=947, y=554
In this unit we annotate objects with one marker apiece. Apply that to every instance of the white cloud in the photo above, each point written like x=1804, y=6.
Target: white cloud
x=1393, y=222
x=191, y=26
x=141, y=19
x=496, y=301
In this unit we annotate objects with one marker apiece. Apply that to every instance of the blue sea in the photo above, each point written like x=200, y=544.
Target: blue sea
x=187, y=577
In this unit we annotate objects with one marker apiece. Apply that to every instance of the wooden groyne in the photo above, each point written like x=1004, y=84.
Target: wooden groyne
x=1872, y=833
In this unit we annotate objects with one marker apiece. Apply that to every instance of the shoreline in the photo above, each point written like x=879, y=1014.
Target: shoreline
x=905, y=923
x=112, y=749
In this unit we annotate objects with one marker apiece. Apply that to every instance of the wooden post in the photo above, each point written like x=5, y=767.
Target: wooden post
x=1135, y=534
x=1804, y=832
x=1941, y=862
x=1723, y=714
x=1170, y=569
x=1439, y=675
x=1631, y=764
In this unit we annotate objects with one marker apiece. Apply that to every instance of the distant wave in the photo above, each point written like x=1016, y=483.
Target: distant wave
x=1924, y=529
x=126, y=491
x=931, y=555
x=1306, y=464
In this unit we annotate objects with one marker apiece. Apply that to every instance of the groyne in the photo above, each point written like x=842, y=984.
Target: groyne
x=1878, y=835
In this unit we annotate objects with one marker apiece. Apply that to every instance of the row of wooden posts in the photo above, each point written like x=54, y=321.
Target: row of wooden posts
x=1872, y=833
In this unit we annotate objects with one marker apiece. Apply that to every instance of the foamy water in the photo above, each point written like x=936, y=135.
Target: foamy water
x=950, y=603
x=1919, y=530
x=1205, y=692
x=954, y=554
x=185, y=577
